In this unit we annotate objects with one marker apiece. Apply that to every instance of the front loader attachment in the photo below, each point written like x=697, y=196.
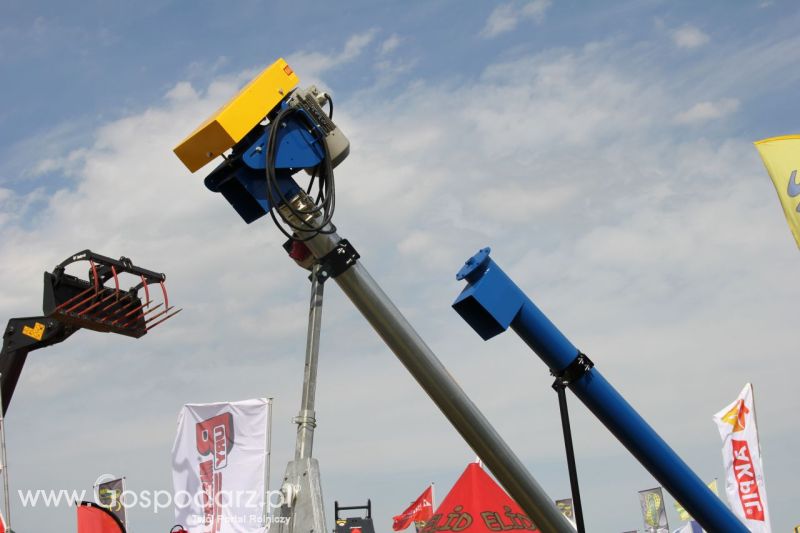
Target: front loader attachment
x=99, y=303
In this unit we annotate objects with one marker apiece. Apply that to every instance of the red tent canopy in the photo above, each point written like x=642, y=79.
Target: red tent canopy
x=477, y=504
x=95, y=519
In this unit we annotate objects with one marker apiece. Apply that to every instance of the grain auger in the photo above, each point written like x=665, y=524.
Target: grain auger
x=97, y=303
x=267, y=134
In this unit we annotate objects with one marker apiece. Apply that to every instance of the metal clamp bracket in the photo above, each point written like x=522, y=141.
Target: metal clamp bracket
x=338, y=260
x=574, y=371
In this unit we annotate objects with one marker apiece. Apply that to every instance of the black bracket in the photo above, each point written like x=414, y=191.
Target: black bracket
x=338, y=260
x=338, y=508
x=574, y=371
x=22, y=336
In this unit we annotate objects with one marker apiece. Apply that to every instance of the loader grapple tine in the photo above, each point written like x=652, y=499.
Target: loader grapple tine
x=164, y=292
x=115, y=313
x=165, y=311
x=91, y=304
x=82, y=302
x=146, y=291
x=144, y=314
x=99, y=302
x=95, y=277
x=112, y=304
x=151, y=326
x=73, y=298
x=116, y=279
x=129, y=313
x=141, y=316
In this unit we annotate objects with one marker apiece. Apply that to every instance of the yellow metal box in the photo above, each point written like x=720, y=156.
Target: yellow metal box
x=238, y=116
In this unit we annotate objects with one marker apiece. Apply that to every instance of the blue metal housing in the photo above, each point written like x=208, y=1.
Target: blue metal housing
x=241, y=178
x=297, y=148
x=491, y=302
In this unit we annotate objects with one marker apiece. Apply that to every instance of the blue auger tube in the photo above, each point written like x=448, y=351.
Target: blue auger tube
x=491, y=303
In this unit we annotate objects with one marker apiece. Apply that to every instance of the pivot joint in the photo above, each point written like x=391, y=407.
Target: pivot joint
x=579, y=366
x=337, y=261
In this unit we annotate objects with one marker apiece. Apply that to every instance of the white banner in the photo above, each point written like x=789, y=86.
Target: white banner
x=654, y=512
x=218, y=462
x=741, y=455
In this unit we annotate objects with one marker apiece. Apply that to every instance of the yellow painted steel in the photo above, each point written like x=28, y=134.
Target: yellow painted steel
x=35, y=332
x=238, y=116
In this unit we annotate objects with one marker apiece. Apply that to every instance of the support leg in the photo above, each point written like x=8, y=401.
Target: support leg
x=573, y=471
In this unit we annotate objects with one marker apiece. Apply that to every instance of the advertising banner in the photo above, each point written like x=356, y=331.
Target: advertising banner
x=109, y=495
x=781, y=156
x=218, y=467
x=565, y=506
x=741, y=457
x=420, y=510
x=653, y=511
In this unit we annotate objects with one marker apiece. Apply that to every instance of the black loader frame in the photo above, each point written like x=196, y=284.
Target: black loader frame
x=97, y=303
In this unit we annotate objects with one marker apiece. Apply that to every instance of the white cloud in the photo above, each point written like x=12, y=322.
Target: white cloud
x=355, y=45
x=391, y=66
x=702, y=112
x=689, y=36
x=518, y=204
x=390, y=44
x=507, y=16
x=313, y=64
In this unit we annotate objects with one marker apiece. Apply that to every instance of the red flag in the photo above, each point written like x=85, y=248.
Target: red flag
x=477, y=504
x=420, y=510
x=95, y=519
x=2, y=524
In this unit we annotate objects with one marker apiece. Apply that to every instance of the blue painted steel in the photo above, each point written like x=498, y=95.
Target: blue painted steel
x=297, y=148
x=491, y=302
x=242, y=179
x=491, y=311
x=246, y=189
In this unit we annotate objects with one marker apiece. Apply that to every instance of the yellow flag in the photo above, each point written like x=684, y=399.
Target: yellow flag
x=683, y=514
x=781, y=156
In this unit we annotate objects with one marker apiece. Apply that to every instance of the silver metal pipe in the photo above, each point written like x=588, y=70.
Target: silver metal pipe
x=306, y=419
x=267, y=510
x=6, y=497
x=434, y=378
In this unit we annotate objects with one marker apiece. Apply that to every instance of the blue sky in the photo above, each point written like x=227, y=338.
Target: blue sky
x=602, y=149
